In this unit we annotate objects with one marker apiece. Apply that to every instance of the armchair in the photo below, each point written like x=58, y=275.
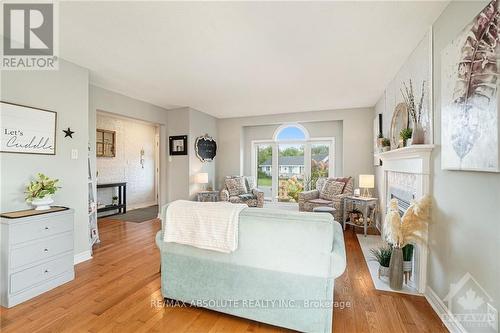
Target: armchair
x=310, y=199
x=245, y=192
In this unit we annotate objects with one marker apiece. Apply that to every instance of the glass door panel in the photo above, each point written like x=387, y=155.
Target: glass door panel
x=290, y=171
x=320, y=162
x=264, y=154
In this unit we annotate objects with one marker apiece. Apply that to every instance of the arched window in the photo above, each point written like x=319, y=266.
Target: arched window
x=291, y=132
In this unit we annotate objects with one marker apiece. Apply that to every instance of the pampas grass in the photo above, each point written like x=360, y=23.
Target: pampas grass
x=408, y=229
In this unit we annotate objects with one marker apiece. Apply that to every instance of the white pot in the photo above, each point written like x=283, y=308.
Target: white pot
x=43, y=203
x=407, y=266
x=383, y=271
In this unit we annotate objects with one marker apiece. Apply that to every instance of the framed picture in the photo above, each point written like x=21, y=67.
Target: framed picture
x=470, y=117
x=27, y=130
x=178, y=145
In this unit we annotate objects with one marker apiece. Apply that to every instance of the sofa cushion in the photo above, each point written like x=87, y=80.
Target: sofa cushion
x=236, y=186
x=331, y=189
x=344, y=180
x=321, y=202
x=250, y=183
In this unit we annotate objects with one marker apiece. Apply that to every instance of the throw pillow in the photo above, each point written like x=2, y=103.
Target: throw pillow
x=250, y=183
x=236, y=186
x=331, y=189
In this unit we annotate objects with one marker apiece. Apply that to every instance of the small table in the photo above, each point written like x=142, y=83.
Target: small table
x=208, y=196
x=365, y=204
x=324, y=209
x=122, y=198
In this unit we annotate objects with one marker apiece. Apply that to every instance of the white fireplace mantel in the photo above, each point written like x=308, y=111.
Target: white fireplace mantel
x=412, y=160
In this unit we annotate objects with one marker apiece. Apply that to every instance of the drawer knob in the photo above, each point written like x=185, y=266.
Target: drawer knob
x=45, y=250
x=46, y=228
x=46, y=271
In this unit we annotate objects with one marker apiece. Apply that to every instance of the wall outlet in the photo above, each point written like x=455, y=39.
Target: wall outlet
x=492, y=317
x=74, y=154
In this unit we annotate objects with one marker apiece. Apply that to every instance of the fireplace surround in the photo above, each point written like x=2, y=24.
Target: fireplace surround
x=406, y=174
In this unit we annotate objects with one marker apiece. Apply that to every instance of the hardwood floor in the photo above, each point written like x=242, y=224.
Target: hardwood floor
x=117, y=291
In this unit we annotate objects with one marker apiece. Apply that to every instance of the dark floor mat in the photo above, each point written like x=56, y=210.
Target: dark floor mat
x=138, y=215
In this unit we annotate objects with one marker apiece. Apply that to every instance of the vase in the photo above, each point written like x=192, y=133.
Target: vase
x=396, y=269
x=418, y=135
x=42, y=203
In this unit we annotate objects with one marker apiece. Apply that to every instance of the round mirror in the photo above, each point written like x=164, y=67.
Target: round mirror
x=399, y=121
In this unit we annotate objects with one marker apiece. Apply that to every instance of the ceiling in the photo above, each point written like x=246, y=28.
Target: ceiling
x=232, y=59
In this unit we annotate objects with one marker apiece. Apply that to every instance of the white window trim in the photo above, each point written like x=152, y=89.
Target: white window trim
x=307, y=155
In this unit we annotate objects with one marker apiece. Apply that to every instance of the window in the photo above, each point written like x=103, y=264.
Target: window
x=291, y=163
x=291, y=132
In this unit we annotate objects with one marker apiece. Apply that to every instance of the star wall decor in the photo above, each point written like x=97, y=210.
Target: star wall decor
x=68, y=132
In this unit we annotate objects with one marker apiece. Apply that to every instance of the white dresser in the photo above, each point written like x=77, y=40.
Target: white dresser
x=36, y=255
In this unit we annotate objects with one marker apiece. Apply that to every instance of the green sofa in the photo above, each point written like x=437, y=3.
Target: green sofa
x=282, y=273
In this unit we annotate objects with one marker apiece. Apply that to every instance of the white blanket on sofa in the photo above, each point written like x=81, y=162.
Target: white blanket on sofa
x=206, y=225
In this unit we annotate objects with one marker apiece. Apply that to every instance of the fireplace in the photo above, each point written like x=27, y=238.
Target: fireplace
x=405, y=175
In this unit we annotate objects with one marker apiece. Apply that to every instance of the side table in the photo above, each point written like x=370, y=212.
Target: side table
x=208, y=196
x=364, y=204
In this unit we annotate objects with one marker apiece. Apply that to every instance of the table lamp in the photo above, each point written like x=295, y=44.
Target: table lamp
x=366, y=182
x=201, y=178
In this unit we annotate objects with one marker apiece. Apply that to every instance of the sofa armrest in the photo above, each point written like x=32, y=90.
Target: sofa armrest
x=308, y=195
x=259, y=194
x=339, y=261
x=224, y=195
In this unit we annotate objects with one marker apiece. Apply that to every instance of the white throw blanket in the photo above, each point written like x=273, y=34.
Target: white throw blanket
x=206, y=225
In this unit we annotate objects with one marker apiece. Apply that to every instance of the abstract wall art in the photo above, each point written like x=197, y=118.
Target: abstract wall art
x=469, y=95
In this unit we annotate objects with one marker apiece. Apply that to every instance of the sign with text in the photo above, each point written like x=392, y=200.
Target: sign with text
x=27, y=130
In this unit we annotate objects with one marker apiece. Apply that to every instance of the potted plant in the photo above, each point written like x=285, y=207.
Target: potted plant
x=405, y=135
x=383, y=257
x=115, y=200
x=39, y=192
x=407, y=261
x=415, y=111
x=386, y=144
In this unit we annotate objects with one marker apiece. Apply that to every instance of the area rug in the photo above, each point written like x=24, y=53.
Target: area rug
x=373, y=242
x=138, y=215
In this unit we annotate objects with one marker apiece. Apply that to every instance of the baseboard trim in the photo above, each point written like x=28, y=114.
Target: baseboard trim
x=442, y=311
x=82, y=256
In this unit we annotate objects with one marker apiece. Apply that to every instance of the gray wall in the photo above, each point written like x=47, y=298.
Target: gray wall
x=200, y=124
x=356, y=148
x=465, y=233
x=316, y=130
x=66, y=92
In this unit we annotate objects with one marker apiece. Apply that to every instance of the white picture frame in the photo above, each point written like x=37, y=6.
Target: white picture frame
x=27, y=130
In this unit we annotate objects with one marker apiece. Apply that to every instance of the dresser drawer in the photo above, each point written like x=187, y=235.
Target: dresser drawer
x=23, y=232
x=41, y=273
x=40, y=250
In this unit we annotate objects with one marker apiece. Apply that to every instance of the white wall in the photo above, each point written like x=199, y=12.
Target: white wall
x=107, y=101
x=66, y=92
x=131, y=137
x=356, y=149
x=465, y=233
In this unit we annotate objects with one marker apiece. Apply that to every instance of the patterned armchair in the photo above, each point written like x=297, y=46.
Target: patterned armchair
x=242, y=189
x=310, y=199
